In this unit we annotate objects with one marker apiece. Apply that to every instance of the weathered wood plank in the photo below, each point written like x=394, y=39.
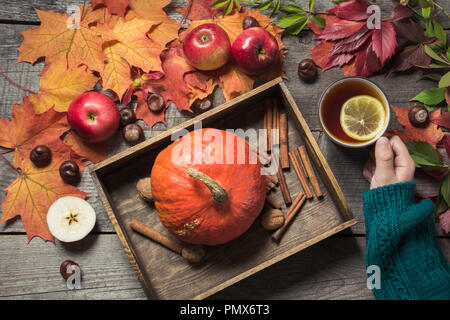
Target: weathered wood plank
x=332, y=269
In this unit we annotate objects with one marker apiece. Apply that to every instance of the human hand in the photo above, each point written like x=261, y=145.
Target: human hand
x=392, y=163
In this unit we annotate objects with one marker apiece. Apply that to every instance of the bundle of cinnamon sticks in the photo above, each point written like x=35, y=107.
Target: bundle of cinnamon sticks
x=276, y=143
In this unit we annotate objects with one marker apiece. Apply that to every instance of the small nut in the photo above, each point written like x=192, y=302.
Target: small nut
x=249, y=22
x=307, y=70
x=132, y=133
x=155, y=102
x=202, y=104
x=144, y=188
x=67, y=268
x=70, y=172
x=41, y=156
x=272, y=219
x=418, y=116
x=193, y=254
x=127, y=116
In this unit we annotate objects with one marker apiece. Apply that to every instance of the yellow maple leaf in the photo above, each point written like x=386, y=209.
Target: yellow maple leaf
x=59, y=37
x=60, y=86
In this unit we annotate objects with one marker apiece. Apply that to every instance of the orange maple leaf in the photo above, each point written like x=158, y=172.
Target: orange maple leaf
x=118, y=7
x=94, y=152
x=27, y=130
x=32, y=193
x=431, y=133
x=60, y=86
x=58, y=37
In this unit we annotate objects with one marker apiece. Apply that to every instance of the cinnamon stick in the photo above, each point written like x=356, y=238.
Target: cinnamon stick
x=273, y=203
x=156, y=236
x=284, y=158
x=289, y=216
x=283, y=185
x=309, y=169
x=273, y=179
x=300, y=175
x=276, y=123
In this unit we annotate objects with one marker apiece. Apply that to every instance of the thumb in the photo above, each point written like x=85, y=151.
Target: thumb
x=384, y=158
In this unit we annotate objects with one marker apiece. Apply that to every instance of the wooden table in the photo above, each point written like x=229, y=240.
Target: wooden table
x=331, y=269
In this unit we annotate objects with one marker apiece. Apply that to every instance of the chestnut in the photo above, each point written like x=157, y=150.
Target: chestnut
x=127, y=116
x=202, y=104
x=155, y=102
x=132, y=133
x=418, y=116
x=98, y=86
x=70, y=172
x=66, y=268
x=249, y=22
x=307, y=70
x=41, y=156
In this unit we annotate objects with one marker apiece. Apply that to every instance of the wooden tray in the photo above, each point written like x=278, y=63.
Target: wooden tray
x=164, y=274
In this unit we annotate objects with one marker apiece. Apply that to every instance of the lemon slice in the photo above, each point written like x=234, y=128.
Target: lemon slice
x=362, y=117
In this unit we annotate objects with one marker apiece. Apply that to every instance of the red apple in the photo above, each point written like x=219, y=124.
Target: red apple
x=255, y=50
x=93, y=116
x=207, y=47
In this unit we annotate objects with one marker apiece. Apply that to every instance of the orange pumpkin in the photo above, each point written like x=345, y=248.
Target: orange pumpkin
x=208, y=203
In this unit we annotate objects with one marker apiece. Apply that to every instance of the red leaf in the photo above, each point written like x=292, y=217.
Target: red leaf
x=351, y=10
x=446, y=143
x=431, y=134
x=118, y=7
x=410, y=56
x=442, y=120
x=357, y=40
x=198, y=9
x=340, y=29
x=360, y=64
x=338, y=60
x=320, y=53
x=444, y=221
x=399, y=12
x=384, y=41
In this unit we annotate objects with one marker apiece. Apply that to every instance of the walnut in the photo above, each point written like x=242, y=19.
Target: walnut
x=272, y=219
x=144, y=188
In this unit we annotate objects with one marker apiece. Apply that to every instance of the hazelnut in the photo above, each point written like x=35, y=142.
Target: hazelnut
x=155, y=102
x=418, y=116
x=67, y=268
x=132, y=133
x=307, y=70
x=70, y=172
x=127, y=116
x=193, y=254
x=272, y=219
x=202, y=104
x=249, y=22
x=144, y=188
x=41, y=156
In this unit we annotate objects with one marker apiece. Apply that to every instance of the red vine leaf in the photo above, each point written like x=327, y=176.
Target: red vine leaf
x=118, y=7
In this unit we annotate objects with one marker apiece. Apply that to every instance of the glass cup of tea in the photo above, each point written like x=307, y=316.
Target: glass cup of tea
x=354, y=112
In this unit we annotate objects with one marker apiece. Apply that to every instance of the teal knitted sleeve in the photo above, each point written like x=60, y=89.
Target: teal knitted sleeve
x=402, y=242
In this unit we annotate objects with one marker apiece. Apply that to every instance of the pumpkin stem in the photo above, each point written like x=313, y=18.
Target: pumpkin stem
x=218, y=193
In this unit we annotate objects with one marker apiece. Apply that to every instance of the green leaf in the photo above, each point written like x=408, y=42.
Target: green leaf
x=238, y=4
x=228, y=9
x=297, y=27
x=432, y=76
x=265, y=5
x=219, y=3
x=289, y=20
x=434, y=29
x=429, y=108
x=311, y=5
x=319, y=20
x=448, y=53
x=441, y=205
x=276, y=7
x=434, y=55
x=426, y=12
x=424, y=154
x=445, y=188
x=431, y=96
x=292, y=9
x=445, y=81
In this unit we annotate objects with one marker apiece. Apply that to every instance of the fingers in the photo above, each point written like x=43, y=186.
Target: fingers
x=404, y=164
x=369, y=169
x=384, y=157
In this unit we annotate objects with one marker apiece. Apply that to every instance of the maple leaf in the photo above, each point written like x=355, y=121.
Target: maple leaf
x=32, y=193
x=118, y=7
x=442, y=120
x=60, y=86
x=126, y=45
x=431, y=134
x=27, y=130
x=57, y=39
x=94, y=152
x=198, y=9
